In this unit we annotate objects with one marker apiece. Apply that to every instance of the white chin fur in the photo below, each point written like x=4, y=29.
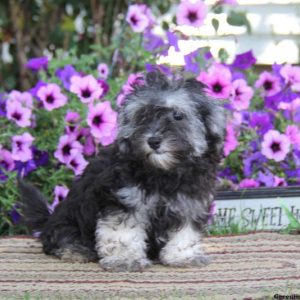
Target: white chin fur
x=163, y=161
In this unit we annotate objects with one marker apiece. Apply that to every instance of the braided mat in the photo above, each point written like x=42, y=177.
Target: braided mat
x=250, y=266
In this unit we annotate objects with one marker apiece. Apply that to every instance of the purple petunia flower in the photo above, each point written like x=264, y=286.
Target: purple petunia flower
x=173, y=40
x=86, y=88
x=67, y=147
x=103, y=70
x=77, y=163
x=40, y=158
x=231, y=142
x=227, y=173
x=192, y=13
x=191, y=65
x=3, y=105
x=244, y=61
x=253, y=163
x=38, y=63
x=153, y=42
x=266, y=178
x=218, y=81
x=21, y=147
x=261, y=121
x=248, y=183
x=51, y=96
x=139, y=17
x=24, y=168
x=105, y=87
x=14, y=214
x=33, y=91
x=241, y=95
x=60, y=194
x=17, y=113
x=275, y=145
x=102, y=120
x=66, y=74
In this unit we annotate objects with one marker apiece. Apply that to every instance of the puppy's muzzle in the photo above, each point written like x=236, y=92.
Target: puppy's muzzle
x=154, y=142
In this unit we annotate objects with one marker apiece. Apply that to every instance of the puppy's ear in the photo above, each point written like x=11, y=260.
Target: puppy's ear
x=157, y=79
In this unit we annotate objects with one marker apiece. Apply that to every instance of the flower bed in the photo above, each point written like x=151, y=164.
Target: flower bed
x=49, y=133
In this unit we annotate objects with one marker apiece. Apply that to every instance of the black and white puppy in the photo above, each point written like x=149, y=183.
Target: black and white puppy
x=147, y=196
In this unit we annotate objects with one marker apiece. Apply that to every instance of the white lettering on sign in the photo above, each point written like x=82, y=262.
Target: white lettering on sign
x=262, y=213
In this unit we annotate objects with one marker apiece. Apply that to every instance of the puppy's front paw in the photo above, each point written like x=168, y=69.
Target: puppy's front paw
x=117, y=264
x=197, y=260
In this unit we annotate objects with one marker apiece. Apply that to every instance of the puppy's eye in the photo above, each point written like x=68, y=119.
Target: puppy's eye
x=177, y=115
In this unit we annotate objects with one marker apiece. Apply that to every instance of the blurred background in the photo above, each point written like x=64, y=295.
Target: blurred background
x=34, y=28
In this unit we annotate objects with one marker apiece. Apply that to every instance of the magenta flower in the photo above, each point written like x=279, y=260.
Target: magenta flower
x=192, y=13
x=38, y=63
x=139, y=17
x=60, y=194
x=67, y=147
x=275, y=145
x=86, y=88
x=24, y=98
x=241, y=95
x=293, y=133
x=248, y=183
x=103, y=70
x=218, y=80
x=291, y=75
x=21, y=147
x=102, y=120
x=269, y=83
x=51, y=96
x=228, y=2
x=231, y=141
x=107, y=140
x=17, y=113
x=77, y=163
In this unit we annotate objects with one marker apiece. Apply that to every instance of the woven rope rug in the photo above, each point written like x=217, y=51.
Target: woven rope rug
x=250, y=266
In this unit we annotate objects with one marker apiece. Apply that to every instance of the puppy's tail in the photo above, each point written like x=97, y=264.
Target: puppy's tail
x=34, y=207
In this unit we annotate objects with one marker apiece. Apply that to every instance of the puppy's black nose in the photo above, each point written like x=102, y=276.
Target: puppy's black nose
x=154, y=142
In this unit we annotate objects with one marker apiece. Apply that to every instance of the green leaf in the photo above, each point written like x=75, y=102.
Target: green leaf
x=239, y=19
x=215, y=24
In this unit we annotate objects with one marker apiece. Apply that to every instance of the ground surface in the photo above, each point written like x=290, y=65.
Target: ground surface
x=244, y=266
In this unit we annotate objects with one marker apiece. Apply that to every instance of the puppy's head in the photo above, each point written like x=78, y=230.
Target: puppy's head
x=167, y=122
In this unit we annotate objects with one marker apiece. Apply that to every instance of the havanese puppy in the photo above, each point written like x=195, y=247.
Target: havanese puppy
x=146, y=197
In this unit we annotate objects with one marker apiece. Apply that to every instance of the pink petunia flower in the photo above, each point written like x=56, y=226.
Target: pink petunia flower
x=291, y=106
x=86, y=88
x=269, y=83
x=248, y=183
x=21, y=147
x=72, y=118
x=192, y=13
x=17, y=113
x=24, y=98
x=66, y=147
x=51, y=96
x=60, y=194
x=228, y=2
x=103, y=70
x=77, y=163
x=6, y=160
x=241, y=95
x=279, y=181
x=107, y=140
x=139, y=17
x=291, y=75
x=275, y=145
x=218, y=81
x=231, y=141
x=293, y=133
x=102, y=120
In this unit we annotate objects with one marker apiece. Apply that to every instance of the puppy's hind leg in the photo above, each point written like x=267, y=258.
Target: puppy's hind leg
x=121, y=243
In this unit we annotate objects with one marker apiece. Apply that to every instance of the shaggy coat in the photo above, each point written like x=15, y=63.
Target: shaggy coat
x=147, y=196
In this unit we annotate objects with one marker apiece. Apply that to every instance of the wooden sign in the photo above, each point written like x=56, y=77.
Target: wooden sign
x=259, y=212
